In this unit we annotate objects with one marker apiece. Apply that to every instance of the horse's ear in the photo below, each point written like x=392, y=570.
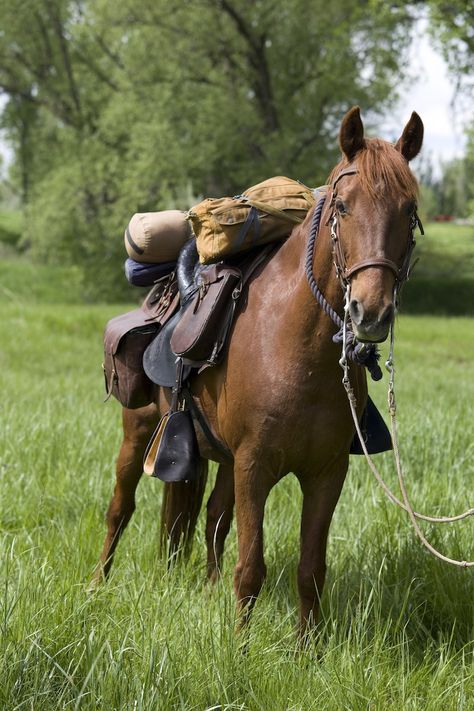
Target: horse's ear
x=351, y=135
x=409, y=143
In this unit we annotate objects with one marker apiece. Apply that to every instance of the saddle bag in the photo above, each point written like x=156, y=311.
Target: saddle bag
x=263, y=213
x=126, y=338
x=201, y=333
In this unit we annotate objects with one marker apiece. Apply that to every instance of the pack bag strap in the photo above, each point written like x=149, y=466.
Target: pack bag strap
x=275, y=211
x=252, y=219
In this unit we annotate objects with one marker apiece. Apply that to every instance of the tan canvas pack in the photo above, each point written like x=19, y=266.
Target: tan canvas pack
x=263, y=213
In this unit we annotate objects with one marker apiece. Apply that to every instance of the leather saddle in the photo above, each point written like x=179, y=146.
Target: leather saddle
x=198, y=332
x=195, y=337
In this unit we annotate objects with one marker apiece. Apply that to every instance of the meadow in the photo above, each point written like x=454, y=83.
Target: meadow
x=397, y=625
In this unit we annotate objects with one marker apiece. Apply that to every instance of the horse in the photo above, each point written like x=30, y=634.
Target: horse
x=276, y=400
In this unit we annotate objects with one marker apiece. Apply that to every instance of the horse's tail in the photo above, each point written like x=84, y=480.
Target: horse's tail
x=179, y=512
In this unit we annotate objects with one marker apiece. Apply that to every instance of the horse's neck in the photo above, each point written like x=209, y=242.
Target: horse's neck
x=292, y=258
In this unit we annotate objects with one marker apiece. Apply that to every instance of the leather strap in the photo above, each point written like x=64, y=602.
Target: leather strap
x=176, y=391
x=376, y=262
x=350, y=170
x=200, y=418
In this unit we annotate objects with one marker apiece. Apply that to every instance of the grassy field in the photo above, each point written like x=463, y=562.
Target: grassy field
x=398, y=625
x=443, y=279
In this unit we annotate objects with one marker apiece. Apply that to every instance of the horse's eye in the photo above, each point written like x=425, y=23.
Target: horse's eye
x=340, y=207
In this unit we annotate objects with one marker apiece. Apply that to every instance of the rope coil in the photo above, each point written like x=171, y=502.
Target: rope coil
x=406, y=504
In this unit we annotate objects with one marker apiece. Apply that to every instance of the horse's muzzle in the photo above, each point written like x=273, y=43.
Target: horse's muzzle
x=369, y=327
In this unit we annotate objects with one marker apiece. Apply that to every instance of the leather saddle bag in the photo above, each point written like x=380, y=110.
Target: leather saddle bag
x=125, y=340
x=201, y=333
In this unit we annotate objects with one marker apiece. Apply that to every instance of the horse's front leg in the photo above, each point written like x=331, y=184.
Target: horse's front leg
x=138, y=426
x=320, y=495
x=252, y=485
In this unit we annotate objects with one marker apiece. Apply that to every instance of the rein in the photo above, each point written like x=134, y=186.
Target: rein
x=368, y=355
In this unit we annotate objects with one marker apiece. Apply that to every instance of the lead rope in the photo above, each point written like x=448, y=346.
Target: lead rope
x=406, y=506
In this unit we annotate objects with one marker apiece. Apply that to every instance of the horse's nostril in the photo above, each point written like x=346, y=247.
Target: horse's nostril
x=356, y=311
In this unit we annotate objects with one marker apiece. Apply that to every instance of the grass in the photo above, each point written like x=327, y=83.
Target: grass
x=443, y=281
x=398, y=625
x=11, y=223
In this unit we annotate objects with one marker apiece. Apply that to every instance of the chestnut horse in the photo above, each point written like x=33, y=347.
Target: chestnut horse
x=276, y=400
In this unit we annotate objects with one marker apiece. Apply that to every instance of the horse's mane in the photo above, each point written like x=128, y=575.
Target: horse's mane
x=382, y=170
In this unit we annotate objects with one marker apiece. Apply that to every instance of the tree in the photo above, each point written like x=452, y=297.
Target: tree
x=452, y=27
x=118, y=107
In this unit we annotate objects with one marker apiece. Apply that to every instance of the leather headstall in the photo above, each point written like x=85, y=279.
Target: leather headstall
x=345, y=273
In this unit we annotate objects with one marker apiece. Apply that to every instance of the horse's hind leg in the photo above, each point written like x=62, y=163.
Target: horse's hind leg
x=320, y=496
x=138, y=426
x=220, y=508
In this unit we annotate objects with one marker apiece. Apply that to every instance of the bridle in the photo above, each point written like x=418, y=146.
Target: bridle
x=361, y=353
x=345, y=273
x=367, y=354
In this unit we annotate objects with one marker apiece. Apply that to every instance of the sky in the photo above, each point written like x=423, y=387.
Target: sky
x=430, y=93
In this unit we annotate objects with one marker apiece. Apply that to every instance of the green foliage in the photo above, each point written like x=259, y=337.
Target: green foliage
x=452, y=189
x=452, y=26
x=452, y=193
x=11, y=224
x=118, y=107
x=398, y=625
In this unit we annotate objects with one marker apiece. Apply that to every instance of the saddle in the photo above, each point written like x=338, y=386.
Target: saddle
x=184, y=325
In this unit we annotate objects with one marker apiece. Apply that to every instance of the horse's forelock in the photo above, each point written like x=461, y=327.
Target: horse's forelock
x=382, y=170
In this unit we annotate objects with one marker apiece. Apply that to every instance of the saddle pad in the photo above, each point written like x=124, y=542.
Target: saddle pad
x=159, y=361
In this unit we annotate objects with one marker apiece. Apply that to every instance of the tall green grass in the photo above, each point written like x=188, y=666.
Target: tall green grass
x=397, y=627
x=443, y=279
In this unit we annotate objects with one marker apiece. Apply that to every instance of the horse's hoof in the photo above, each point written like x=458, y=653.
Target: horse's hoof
x=97, y=580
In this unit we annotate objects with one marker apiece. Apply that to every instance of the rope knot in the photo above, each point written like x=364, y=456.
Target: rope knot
x=361, y=353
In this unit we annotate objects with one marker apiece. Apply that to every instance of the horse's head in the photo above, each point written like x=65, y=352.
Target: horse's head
x=373, y=216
